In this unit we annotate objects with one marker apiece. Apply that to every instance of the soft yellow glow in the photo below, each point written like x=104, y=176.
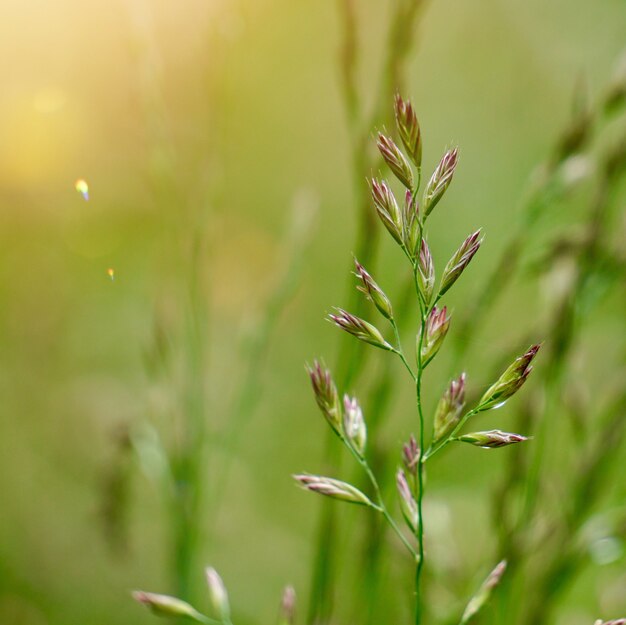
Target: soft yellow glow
x=111, y=273
x=83, y=188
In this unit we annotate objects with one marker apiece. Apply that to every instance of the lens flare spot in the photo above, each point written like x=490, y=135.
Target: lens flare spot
x=83, y=188
x=111, y=273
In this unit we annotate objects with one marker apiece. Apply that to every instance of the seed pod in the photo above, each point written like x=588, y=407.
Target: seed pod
x=335, y=489
x=360, y=328
x=353, y=424
x=426, y=273
x=437, y=326
x=217, y=594
x=459, y=261
x=409, y=130
x=449, y=409
x=372, y=291
x=387, y=208
x=408, y=505
x=509, y=382
x=484, y=593
x=492, y=439
x=164, y=605
x=439, y=181
x=411, y=455
x=326, y=394
x=395, y=160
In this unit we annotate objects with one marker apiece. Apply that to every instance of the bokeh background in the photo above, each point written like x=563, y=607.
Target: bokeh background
x=199, y=126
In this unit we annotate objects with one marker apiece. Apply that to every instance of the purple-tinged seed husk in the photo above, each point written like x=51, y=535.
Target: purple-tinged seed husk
x=426, y=272
x=449, y=409
x=326, y=394
x=387, y=208
x=411, y=223
x=336, y=489
x=359, y=328
x=408, y=505
x=510, y=381
x=439, y=181
x=411, y=455
x=435, y=331
x=372, y=291
x=478, y=601
x=165, y=605
x=287, y=613
x=396, y=161
x=408, y=129
x=492, y=439
x=460, y=260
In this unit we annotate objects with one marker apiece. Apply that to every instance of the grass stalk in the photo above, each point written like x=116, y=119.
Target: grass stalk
x=352, y=358
x=561, y=561
x=296, y=242
x=543, y=189
x=406, y=226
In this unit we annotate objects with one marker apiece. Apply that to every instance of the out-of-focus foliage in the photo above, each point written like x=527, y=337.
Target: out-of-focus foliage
x=197, y=127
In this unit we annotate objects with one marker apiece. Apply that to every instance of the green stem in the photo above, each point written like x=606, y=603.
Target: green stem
x=419, y=533
x=352, y=358
x=420, y=474
x=383, y=509
x=203, y=618
x=400, y=352
x=380, y=503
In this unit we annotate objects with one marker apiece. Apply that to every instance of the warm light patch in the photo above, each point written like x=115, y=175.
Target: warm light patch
x=83, y=188
x=111, y=273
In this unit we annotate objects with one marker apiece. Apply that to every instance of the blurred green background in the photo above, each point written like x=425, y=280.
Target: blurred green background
x=205, y=121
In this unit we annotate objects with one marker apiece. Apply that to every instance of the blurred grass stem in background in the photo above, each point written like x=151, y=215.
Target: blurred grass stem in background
x=153, y=335
x=568, y=323
x=198, y=472
x=351, y=359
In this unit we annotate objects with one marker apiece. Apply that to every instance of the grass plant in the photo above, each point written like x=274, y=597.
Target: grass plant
x=407, y=221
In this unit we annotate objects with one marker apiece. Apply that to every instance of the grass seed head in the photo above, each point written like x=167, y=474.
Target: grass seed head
x=408, y=505
x=449, y=408
x=396, y=161
x=353, y=424
x=408, y=129
x=492, y=439
x=359, y=328
x=426, y=272
x=439, y=181
x=218, y=595
x=460, y=260
x=411, y=223
x=372, y=291
x=437, y=326
x=326, y=394
x=510, y=381
x=387, y=208
x=336, y=489
x=287, y=606
x=478, y=601
x=165, y=605
x=411, y=455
